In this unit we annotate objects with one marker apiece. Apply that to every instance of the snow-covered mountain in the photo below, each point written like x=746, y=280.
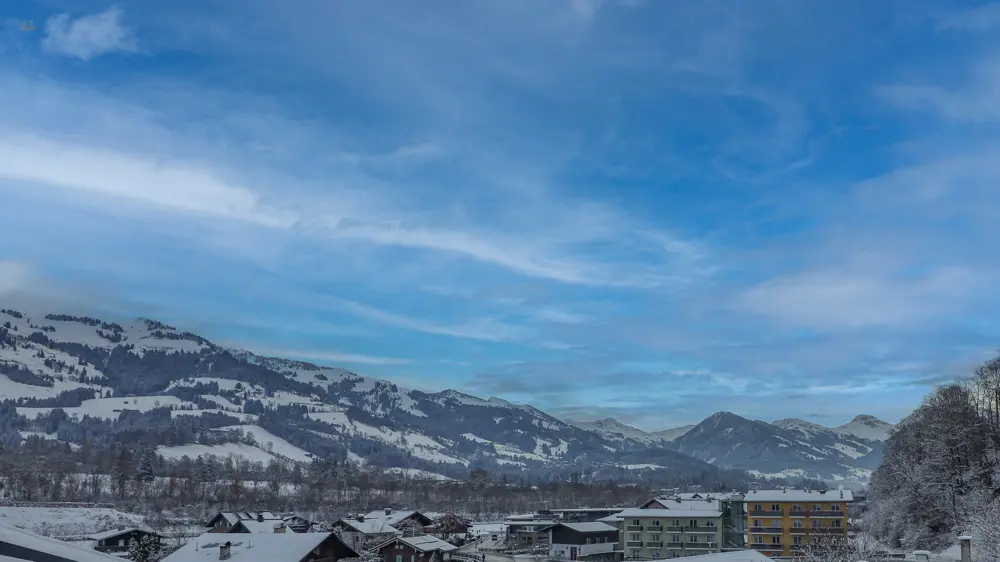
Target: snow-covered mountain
x=77, y=377
x=96, y=374
x=788, y=447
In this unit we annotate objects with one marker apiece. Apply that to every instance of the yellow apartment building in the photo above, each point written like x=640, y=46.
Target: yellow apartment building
x=781, y=522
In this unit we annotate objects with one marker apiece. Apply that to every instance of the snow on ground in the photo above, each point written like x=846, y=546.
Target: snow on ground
x=224, y=384
x=67, y=521
x=506, y=462
x=246, y=418
x=508, y=451
x=110, y=408
x=641, y=466
x=11, y=389
x=270, y=441
x=476, y=438
x=417, y=444
x=222, y=401
x=849, y=451
x=417, y=474
x=867, y=427
x=223, y=450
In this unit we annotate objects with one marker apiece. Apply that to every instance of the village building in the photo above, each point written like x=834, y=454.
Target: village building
x=424, y=548
x=274, y=547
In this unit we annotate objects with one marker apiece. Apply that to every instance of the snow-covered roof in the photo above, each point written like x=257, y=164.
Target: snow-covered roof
x=590, y=527
x=611, y=518
x=116, y=532
x=731, y=556
x=788, y=495
x=393, y=517
x=637, y=512
x=371, y=526
x=54, y=547
x=427, y=543
x=276, y=547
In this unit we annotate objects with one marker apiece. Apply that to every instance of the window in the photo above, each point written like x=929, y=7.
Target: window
x=675, y=538
x=635, y=553
x=758, y=507
x=604, y=539
x=675, y=522
x=775, y=540
x=776, y=507
x=797, y=524
x=816, y=524
x=692, y=522
x=656, y=523
x=654, y=538
x=835, y=507
x=836, y=523
x=757, y=539
x=773, y=523
x=692, y=538
x=757, y=523
x=797, y=507
x=635, y=536
x=635, y=522
x=797, y=540
x=710, y=523
x=817, y=507
x=588, y=540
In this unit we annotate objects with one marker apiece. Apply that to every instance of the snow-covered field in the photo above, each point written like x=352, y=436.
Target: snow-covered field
x=252, y=454
x=417, y=474
x=111, y=408
x=271, y=442
x=67, y=521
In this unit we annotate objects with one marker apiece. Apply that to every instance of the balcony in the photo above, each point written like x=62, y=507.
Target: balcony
x=634, y=528
x=828, y=530
x=827, y=513
x=797, y=513
x=654, y=544
x=797, y=530
x=674, y=544
x=633, y=544
x=700, y=529
x=796, y=546
x=764, y=513
x=766, y=530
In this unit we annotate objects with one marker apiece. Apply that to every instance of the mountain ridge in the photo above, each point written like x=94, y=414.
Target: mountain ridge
x=87, y=368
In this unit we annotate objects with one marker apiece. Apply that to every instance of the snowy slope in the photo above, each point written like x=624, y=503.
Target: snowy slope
x=867, y=427
x=614, y=430
x=674, y=433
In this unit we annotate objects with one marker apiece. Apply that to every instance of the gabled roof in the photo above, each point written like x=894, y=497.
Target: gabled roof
x=276, y=547
x=394, y=517
x=370, y=526
x=588, y=527
x=14, y=542
x=611, y=519
x=116, y=532
x=423, y=543
x=803, y=496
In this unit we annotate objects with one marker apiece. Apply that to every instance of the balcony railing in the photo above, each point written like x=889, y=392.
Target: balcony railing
x=674, y=544
x=654, y=544
x=764, y=513
x=768, y=546
x=633, y=544
x=827, y=513
x=797, y=513
x=766, y=530
x=797, y=530
x=701, y=545
x=635, y=528
x=796, y=546
x=700, y=529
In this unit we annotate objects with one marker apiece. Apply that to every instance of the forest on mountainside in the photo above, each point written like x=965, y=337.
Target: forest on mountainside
x=940, y=477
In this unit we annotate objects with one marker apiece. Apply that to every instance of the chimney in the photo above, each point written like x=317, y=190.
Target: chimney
x=388, y=511
x=224, y=550
x=361, y=518
x=965, y=543
x=279, y=527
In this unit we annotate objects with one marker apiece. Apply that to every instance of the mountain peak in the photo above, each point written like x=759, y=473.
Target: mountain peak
x=865, y=418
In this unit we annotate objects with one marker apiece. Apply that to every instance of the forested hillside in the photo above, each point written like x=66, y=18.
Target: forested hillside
x=940, y=476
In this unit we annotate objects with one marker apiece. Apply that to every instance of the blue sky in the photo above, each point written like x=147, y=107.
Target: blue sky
x=646, y=210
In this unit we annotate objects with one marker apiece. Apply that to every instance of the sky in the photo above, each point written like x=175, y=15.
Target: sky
x=646, y=210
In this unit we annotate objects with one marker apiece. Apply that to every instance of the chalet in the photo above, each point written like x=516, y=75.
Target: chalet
x=275, y=547
x=583, y=541
x=118, y=540
x=424, y=548
x=252, y=526
x=23, y=546
x=226, y=520
x=361, y=532
x=401, y=518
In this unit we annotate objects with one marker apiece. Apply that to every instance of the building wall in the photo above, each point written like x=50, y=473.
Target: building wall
x=591, y=552
x=661, y=537
x=120, y=543
x=784, y=532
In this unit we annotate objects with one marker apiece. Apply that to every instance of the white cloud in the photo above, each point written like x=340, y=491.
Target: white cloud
x=836, y=299
x=14, y=277
x=89, y=36
x=159, y=183
x=483, y=329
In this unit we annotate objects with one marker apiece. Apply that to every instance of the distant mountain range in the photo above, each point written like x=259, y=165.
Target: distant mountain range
x=225, y=401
